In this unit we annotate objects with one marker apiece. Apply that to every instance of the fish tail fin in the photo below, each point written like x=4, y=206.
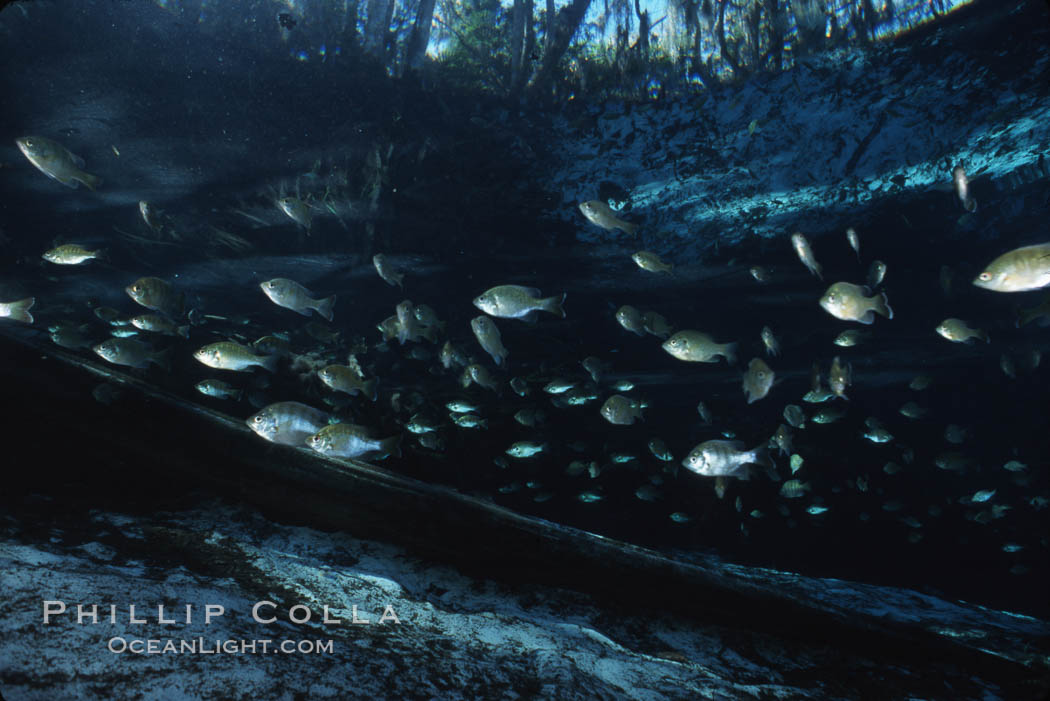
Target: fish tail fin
x=324, y=307
x=399, y=278
x=554, y=305
x=19, y=311
x=882, y=305
x=391, y=446
x=730, y=352
x=92, y=182
x=270, y=363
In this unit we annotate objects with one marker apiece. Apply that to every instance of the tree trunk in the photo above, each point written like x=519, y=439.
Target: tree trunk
x=420, y=38
x=720, y=30
x=517, y=38
x=518, y=79
x=566, y=22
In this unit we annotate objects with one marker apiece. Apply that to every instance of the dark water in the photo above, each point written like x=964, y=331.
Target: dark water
x=222, y=168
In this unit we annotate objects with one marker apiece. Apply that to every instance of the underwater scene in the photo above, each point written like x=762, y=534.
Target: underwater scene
x=480, y=349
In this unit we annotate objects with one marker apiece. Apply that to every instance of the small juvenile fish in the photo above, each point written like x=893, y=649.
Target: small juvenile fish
x=621, y=410
x=480, y=375
x=651, y=262
x=770, y=341
x=525, y=449
x=469, y=421
x=288, y=423
x=227, y=355
x=450, y=357
x=849, y=302
x=704, y=412
x=962, y=189
x=149, y=215
x=56, y=161
x=794, y=415
x=219, y=389
x=601, y=214
x=391, y=275
x=656, y=325
x=558, y=386
x=631, y=319
x=156, y=294
x=920, y=382
x=520, y=387
x=131, y=352
x=760, y=274
x=876, y=273
x=828, y=416
x=530, y=417
x=793, y=489
x=854, y=240
x=342, y=378
x=659, y=450
x=291, y=295
x=805, y=254
x=517, y=302
x=488, y=336
x=18, y=311
x=1019, y=270
x=851, y=337
x=839, y=377
x=782, y=439
x=68, y=335
x=594, y=367
x=70, y=254
x=957, y=331
x=352, y=441
x=757, y=380
x=155, y=323
x=698, y=347
x=297, y=211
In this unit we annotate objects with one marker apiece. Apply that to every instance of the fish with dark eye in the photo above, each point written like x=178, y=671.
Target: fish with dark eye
x=352, y=441
x=57, y=162
x=296, y=210
x=156, y=294
x=601, y=214
x=805, y=254
x=840, y=377
x=219, y=389
x=131, y=352
x=850, y=302
x=958, y=331
x=227, y=355
x=718, y=458
x=757, y=380
x=291, y=295
x=770, y=341
x=391, y=275
x=698, y=347
x=621, y=410
x=488, y=336
x=651, y=262
x=1019, y=270
x=876, y=273
x=630, y=319
x=342, y=378
x=155, y=323
x=70, y=254
x=518, y=302
x=288, y=423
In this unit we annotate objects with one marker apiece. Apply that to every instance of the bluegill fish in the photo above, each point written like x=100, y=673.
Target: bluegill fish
x=343, y=379
x=601, y=214
x=130, y=352
x=156, y=294
x=757, y=380
x=352, y=441
x=718, y=458
x=227, y=355
x=291, y=295
x=69, y=254
x=850, y=302
x=698, y=347
x=621, y=410
x=288, y=423
x=391, y=275
x=805, y=254
x=489, y=337
x=1019, y=270
x=517, y=302
x=56, y=161
x=296, y=210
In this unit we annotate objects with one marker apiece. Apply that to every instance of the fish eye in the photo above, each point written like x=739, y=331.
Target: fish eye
x=257, y=419
x=984, y=277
